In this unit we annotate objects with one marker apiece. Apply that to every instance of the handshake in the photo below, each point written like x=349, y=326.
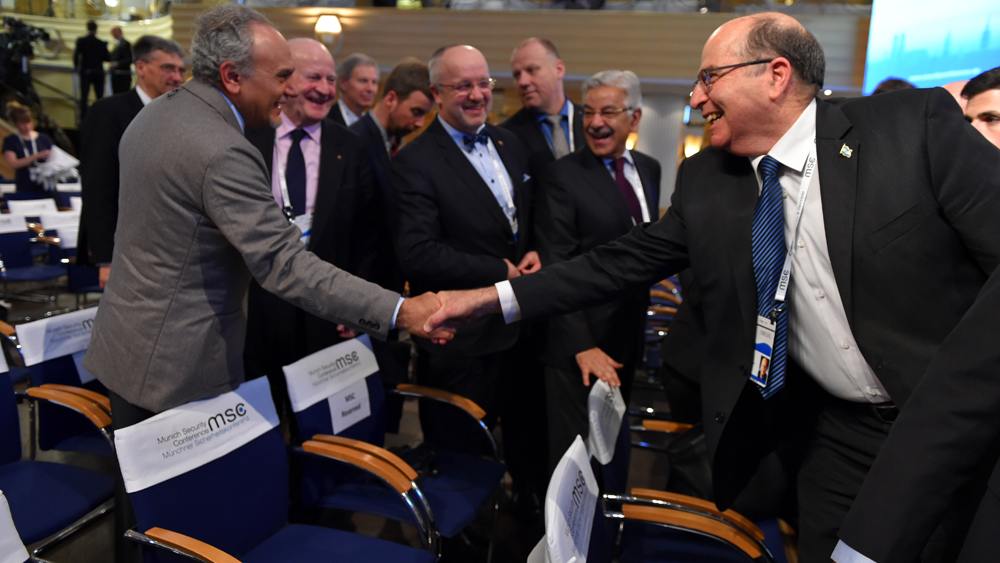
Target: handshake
x=435, y=316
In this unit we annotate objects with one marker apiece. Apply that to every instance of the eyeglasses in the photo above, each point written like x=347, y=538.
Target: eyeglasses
x=605, y=113
x=708, y=76
x=466, y=86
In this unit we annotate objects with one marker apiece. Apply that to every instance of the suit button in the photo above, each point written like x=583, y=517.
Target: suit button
x=720, y=417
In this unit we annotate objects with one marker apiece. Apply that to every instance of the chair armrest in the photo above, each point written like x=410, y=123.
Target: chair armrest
x=665, y=426
x=731, y=516
x=696, y=523
x=97, y=415
x=7, y=329
x=663, y=309
x=667, y=296
x=102, y=400
x=45, y=239
x=190, y=546
x=382, y=469
x=440, y=395
x=371, y=449
x=36, y=228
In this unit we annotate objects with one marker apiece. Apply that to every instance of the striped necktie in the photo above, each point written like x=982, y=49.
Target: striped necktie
x=768, y=245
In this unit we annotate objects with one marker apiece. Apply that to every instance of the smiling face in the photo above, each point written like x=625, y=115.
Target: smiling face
x=464, y=103
x=259, y=96
x=983, y=112
x=359, y=89
x=314, y=82
x=539, y=76
x=606, y=134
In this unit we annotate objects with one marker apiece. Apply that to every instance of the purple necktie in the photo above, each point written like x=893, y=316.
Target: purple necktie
x=628, y=193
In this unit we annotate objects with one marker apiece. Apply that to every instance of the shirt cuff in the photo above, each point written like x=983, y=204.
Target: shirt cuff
x=395, y=313
x=508, y=302
x=843, y=553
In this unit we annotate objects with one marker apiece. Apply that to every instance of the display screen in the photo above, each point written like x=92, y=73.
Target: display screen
x=930, y=42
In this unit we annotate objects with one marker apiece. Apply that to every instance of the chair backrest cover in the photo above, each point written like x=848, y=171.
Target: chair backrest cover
x=32, y=207
x=10, y=427
x=570, y=504
x=605, y=409
x=53, y=350
x=11, y=548
x=338, y=390
x=215, y=469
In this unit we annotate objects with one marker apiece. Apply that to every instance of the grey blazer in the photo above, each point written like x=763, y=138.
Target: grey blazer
x=196, y=221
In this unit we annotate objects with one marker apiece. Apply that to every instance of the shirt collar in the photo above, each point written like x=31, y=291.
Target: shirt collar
x=610, y=161
x=457, y=135
x=792, y=149
x=286, y=127
x=349, y=116
x=143, y=96
x=540, y=116
x=236, y=112
x=381, y=131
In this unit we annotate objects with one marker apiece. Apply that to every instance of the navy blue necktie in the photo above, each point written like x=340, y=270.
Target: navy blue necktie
x=768, y=244
x=295, y=174
x=471, y=140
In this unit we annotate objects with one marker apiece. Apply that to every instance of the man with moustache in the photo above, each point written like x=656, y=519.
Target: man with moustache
x=588, y=198
x=159, y=67
x=357, y=85
x=548, y=123
x=320, y=176
x=467, y=195
x=805, y=224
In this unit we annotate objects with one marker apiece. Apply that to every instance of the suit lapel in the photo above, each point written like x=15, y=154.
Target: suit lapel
x=467, y=174
x=736, y=200
x=331, y=174
x=578, y=140
x=838, y=175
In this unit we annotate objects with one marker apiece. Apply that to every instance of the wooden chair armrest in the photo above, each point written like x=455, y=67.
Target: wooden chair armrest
x=102, y=400
x=36, y=228
x=666, y=426
x=190, y=545
x=362, y=460
x=45, y=239
x=671, y=297
x=694, y=522
x=731, y=516
x=7, y=329
x=420, y=391
x=97, y=415
x=663, y=309
x=669, y=285
x=371, y=449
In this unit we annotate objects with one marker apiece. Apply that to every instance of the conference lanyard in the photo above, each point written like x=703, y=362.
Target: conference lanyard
x=34, y=145
x=786, y=271
x=304, y=221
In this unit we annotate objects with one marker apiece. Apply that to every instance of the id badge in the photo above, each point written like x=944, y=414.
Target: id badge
x=762, y=349
x=304, y=223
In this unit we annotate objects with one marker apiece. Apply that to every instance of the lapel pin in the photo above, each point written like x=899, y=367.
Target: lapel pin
x=499, y=142
x=338, y=156
x=846, y=151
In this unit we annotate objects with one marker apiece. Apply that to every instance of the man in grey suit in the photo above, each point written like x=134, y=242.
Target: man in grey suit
x=197, y=220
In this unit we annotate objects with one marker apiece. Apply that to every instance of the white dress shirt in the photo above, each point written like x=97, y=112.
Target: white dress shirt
x=349, y=116
x=143, y=96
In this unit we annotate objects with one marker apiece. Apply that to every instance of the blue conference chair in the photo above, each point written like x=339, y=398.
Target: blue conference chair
x=17, y=264
x=48, y=501
x=456, y=486
x=235, y=508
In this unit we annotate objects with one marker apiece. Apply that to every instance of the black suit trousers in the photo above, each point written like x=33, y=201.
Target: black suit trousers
x=123, y=414
x=90, y=80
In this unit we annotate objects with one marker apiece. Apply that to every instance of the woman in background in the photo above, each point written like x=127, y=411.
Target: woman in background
x=24, y=148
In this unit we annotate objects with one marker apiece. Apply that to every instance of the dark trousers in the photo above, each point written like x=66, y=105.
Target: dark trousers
x=836, y=459
x=123, y=414
x=90, y=79
x=522, y=418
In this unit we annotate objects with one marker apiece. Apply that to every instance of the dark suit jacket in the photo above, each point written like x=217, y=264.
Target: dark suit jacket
x=90, y=54
x=385, y=268
x=335, y=116
x=580, y=207
x=914, y=207
x=277, y=332
x=121, y=58
x=525, y=125
x=452, y=232
x=99, y=137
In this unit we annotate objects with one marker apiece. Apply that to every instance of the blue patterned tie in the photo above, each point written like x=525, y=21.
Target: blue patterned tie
x=768, y=244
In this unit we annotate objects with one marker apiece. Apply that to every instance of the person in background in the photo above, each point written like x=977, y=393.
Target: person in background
x=982, y=106
x=121, y=62
x=893, y=84
x=23, y=149
x=357, y=85
x=88, y=62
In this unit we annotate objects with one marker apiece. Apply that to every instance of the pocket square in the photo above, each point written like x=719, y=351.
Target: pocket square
x=526, y=177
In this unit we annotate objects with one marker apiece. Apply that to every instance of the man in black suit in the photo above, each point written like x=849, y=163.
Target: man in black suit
x=357, y=85
x=406, y=101
x=320, y=176
x=588, y=198
x=898, y=194
x=467, y=196
x=88, y=62
x=159, y=65
x=121, y=62
x=538, y=72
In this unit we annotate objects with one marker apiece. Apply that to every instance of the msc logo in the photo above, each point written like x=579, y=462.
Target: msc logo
x=347, y=360
x=227, y=416
x=88, y=324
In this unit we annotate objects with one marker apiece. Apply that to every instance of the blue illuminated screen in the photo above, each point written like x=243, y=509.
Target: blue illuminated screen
x=930, y=42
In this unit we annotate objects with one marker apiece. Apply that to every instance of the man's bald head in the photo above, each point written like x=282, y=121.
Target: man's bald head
x=772, y=35
x=314, y=82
